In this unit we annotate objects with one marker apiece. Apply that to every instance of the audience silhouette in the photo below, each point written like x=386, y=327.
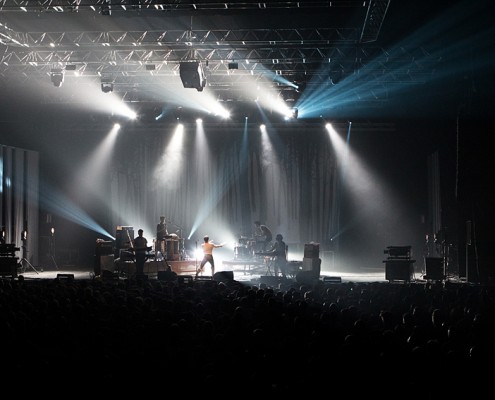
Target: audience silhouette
x=416, y=340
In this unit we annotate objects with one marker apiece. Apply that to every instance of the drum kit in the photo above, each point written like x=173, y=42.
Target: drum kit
x=172, y=248
x=246, y=248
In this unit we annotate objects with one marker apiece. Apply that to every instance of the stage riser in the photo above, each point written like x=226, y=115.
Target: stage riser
x=153, y=267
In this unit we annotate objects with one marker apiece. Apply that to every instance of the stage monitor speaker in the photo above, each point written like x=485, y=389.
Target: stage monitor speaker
x=168, y=276
x=399, y=270
x=434, y=268
x=306, y=277
x=65, y=277
x=185, y=279
x=223, y=276
x=332, y=279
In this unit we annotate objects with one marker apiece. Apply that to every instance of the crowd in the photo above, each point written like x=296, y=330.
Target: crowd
x=426, y=340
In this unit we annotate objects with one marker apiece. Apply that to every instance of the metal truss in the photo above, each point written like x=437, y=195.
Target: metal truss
x=137, y=59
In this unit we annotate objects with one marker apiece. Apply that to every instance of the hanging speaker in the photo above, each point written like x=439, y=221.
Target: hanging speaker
x=192, y=76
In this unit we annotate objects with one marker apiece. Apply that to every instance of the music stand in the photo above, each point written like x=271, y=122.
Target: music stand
x=24, y=260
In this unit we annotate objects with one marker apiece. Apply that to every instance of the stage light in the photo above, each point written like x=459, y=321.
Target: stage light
x=107, y=87
x=105, y=8
x=233, y=65
x=150, y=67
x=70, y=67
x=57, y=76
x=295, y=113
x=192, y=75
x=106, y=83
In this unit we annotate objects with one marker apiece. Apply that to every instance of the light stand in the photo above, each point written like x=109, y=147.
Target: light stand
x=24, y=260
x=52, y=247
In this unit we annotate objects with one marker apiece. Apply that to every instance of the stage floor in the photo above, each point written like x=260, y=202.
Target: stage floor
x=249, y=272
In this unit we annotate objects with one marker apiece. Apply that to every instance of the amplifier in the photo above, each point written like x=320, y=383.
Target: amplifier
x=312, y=250
x=8, y=266
x=399, y=270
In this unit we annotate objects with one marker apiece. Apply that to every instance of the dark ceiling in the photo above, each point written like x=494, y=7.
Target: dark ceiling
x=381, y=47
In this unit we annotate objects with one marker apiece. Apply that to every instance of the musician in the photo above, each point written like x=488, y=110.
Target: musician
x=161, y=236
x=208, y=247
x=279, y=252
x=263, y=234
x=140, y=247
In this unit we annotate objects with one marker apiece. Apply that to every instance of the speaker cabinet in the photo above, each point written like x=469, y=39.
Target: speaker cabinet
x=312, y=266
x=312, y=250
x=8, y=266
x=168, y=276
x=434, y=268
x=223, y=276
x=399, y=270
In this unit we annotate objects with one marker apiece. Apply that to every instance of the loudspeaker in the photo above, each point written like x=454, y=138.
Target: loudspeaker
x=399, y=270
x=169, y=276
x=185, y=279
x=332, y=279
x=312, y=265
x=434, y=268
x=104, y=262
x=223, y=276
x=306, y=277
x=192, y=75
x=8, y=266
x=312, y=250
x=67, y=277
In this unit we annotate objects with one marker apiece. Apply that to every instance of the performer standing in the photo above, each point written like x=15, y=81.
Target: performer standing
x=208, y=247
x=140, y=246
x=279, y=252
x=161, y=236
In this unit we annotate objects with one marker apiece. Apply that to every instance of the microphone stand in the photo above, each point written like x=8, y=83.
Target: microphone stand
x=25, y=260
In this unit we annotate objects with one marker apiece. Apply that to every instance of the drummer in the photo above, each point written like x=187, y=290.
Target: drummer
x=161, y=236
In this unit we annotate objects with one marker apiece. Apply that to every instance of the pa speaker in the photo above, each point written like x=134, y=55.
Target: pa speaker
x=306, y=277
x=168, y=276
x=65, y=277
x=192, y=75
x=434, y=268
x=223, y=276
x=399, y=270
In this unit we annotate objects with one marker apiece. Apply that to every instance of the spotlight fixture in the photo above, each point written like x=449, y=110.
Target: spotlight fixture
x=70, y=67
x=106, y=83
x=150, y=67
x=105, y=8
x=295, y=113
x=192, y=75
x=233, y=65
x=107, y=87
x=57, y=76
